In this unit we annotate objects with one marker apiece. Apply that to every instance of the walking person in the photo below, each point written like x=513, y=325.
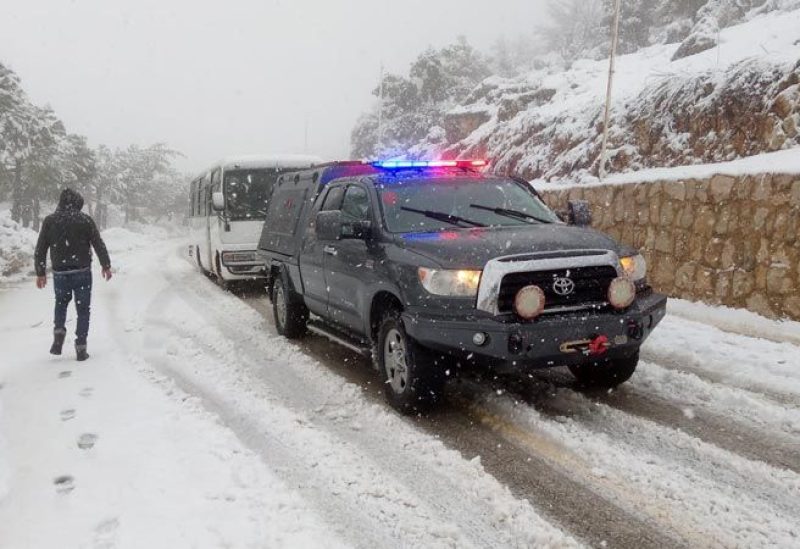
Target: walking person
x=70, y=234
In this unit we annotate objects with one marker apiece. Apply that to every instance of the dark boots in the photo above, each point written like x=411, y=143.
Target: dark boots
x=58, y=341
x=80, y=351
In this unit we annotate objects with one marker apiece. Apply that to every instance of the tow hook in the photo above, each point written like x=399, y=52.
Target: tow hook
x=596, y=346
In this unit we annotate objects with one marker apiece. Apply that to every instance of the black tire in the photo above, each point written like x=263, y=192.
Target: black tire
x=421, y=384
x=606, y=374
x=199, y=263
x=224, y=284
x=288, y=310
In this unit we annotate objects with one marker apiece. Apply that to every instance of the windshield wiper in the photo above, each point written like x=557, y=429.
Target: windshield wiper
x=446, y=217
x=510, y=213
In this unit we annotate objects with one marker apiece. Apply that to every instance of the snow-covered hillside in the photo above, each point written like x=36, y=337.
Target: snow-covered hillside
x=16, y=248
x=737, y=99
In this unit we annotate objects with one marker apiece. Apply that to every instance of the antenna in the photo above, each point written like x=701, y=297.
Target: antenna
x=601, y=172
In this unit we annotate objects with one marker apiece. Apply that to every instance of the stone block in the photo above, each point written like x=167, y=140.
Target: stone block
x=655, y=210
x=762, y=189
x=760, y=219
x=664, y=243
x=686, y=217
x=779, y=281
x=723, y=220
x=667, y=215
x=794, y=198
x=704, y=221
x=723, y=288
x=676, y=190
x=721, y=187
x=728, y=257
x=743, y=284
x=654, y=190
x=705, y=281
x=744, y=188
x=650, y=239
x=792, y=307
x=664, y=274
x=640, y=193
x=758, y=304
x=685, y=276
x=713, y=254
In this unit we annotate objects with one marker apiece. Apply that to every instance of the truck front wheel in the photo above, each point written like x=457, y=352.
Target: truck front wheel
x=607, y=374
x=412, y=381
x=288, y=309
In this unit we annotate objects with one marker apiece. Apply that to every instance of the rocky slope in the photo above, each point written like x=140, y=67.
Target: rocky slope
x=739, y=98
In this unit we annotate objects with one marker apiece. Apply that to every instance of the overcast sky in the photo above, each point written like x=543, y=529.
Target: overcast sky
x=229, y=77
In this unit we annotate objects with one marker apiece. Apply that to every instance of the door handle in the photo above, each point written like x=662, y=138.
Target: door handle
x=330, y=250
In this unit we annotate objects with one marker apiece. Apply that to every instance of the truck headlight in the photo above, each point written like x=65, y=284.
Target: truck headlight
x=450, y=283
x=635, y=267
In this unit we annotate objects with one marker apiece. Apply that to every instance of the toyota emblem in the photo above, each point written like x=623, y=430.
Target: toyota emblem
x=563, y=286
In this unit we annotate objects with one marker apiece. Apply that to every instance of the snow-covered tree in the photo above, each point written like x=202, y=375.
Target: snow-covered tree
x=412, y=105
x=575, y=28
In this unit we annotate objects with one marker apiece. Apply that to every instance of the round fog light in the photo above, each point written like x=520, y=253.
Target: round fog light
x=529, y=302
x=479, y=339
x=621, y=293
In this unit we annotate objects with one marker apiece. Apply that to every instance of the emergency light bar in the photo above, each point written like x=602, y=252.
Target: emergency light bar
x=400, y=164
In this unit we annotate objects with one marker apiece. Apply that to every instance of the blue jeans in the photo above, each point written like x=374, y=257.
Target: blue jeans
x=78, y=283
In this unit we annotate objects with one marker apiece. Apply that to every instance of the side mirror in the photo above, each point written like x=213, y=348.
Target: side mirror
x=218, y=201
x=329, y=225
x=579, y=213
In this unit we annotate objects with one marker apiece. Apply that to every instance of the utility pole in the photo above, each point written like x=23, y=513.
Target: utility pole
x=380, y=114
x=614, y=42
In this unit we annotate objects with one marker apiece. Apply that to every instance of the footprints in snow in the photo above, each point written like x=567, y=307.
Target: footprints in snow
x=87, y=441
x=67, y=415
x=64, y=484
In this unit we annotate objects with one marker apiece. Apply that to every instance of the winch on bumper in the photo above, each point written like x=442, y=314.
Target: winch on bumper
x=551, y=340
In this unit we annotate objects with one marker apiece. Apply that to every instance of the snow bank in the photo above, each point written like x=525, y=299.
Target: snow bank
x=776, y=163
x=16, y=248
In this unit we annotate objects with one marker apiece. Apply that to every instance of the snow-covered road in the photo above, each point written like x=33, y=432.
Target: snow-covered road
x=194, y=425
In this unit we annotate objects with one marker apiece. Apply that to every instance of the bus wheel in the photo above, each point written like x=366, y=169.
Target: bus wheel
x=224, y=284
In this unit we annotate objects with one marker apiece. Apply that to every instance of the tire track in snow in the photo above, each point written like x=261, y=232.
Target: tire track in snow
x=508, y=433
x=693, y=417
x=481, y=515
x=556, y=495
x=749, y=473
x=683, y=484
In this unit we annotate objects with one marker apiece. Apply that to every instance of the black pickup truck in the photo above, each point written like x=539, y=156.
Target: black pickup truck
x=427, y=265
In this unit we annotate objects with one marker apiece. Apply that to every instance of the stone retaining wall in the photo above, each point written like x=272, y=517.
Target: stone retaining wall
x=726, y=240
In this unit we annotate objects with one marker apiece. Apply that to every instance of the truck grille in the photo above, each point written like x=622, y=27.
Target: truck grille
x=591, y=286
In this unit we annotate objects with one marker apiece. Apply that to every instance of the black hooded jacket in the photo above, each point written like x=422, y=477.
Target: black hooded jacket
x=69, y=234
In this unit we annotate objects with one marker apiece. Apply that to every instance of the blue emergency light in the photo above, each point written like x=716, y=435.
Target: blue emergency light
x=404, y=164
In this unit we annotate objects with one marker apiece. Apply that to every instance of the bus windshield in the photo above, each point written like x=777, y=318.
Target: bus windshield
x=247, y=192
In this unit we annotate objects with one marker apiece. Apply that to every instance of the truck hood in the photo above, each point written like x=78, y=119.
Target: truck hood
x=473, y=248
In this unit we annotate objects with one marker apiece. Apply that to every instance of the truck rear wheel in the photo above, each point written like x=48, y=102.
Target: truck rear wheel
x=288, y=309
x=608, y=374
x=412, y=382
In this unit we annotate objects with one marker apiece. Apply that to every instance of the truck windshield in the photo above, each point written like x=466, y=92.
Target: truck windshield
x=247, y=192
x=428, y=205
